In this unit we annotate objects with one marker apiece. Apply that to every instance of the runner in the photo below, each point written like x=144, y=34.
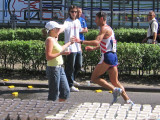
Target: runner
x=106, y=42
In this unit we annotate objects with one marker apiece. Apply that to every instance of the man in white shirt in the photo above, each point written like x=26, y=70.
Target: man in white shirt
x=152, y=30
x=74, y=60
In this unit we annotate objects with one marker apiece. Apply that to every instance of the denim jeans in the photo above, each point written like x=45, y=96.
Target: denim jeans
x=57, y=82
x=73, y=66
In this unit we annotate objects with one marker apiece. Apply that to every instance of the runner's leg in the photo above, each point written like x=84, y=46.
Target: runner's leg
x=99, y=70
x=113, y=75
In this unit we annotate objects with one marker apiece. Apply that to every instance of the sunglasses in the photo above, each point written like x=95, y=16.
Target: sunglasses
x=73, y=11
x=150, y=15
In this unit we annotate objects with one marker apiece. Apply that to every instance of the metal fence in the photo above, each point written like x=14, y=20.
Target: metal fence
x=35, y=13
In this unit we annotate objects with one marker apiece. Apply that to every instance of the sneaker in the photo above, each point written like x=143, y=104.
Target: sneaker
x=76, y=83
x=129, y=102
x=82, y=69
x=116, y=93
x=74, y=89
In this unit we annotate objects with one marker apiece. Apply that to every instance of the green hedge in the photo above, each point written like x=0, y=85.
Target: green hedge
x=122, y=34
x=130, y=35
x=22, y=54
x=134, y=58
x=20, y=34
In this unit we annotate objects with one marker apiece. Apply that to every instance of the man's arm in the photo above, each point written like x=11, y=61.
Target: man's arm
x=97, y=41
x=154, y=28
x=154, y=37
x=84, y=30
x=144, y=40
x=63, y=28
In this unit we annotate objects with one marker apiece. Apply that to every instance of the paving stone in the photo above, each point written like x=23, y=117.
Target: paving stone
x=40, y=110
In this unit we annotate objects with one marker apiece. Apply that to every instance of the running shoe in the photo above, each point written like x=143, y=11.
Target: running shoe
x=74, y=89
x=129, y=102
x=116, y=93
x=76, y=83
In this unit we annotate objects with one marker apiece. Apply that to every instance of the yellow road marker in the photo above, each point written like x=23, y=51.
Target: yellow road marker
x=11, y=86
x=98, y=91
x=15, y=94
x=110, y=91
x=29, y=86
x=5, y=80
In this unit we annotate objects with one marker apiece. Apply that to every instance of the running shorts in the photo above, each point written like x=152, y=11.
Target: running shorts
x=109, y=58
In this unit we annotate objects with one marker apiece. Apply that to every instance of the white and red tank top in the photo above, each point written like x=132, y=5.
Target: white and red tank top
x=109, y=44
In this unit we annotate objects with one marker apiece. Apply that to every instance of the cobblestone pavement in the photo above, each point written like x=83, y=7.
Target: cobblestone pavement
x=17, y=109
x=32, y=107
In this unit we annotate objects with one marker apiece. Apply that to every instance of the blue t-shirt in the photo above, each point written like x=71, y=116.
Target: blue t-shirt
x=83, y=25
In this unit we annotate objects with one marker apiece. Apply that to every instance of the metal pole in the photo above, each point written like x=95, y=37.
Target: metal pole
x=153, y=5
x=28, y=13
x=119, y=17
x=66, y=8
x=82, y=3
x=3, y=11
x=100, y=5
x=71, y=2
x=157, y=5
x=111, y=13
x=124, y=14
x=132, y=13
x=91, y=12
x=40, y=14
x=157, y=9
x=138, y=13
x=52, y=9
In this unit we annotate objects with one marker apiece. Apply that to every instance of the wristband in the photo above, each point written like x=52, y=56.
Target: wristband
x=81, y=41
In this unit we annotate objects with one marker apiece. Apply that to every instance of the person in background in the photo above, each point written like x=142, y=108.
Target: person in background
x=74, y=60
x=152, y=30
x=81, y=34
x=83, y=24
x=58, y=84
x=107, y=43
x=13, y=19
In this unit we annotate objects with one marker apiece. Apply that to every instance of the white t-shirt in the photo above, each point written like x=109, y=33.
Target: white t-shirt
x=154, y=28
x=72, y=28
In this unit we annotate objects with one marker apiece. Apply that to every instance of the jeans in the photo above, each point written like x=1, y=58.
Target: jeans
x=13, y=24
x=57, y=82
x=73, y=66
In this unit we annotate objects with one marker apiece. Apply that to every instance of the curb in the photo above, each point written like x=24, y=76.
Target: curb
x=84, y=87
x=131, y=89
x=24, y=84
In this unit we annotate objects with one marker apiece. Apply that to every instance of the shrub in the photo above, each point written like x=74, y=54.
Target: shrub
x=122, y=34
x=30, y=55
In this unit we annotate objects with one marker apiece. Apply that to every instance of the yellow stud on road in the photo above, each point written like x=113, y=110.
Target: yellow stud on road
x=29, y=86
x=5, y=80
x=11, y=86
x=110, y=91
x=15, y=94
x=98, y=91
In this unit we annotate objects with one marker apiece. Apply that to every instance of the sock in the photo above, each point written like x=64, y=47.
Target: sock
x=128, y=101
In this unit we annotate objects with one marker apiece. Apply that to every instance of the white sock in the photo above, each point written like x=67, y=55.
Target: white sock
x=128, y=101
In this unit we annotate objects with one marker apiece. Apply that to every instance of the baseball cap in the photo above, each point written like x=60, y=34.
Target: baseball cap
x=51, y=25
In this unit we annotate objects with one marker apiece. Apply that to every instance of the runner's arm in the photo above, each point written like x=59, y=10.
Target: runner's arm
x=95, y=42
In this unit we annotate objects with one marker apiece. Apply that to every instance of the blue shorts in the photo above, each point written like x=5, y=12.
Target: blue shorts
x=110, y=58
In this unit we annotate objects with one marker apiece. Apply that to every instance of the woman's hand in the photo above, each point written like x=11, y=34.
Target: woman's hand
x=65, y=52
x=74, y=39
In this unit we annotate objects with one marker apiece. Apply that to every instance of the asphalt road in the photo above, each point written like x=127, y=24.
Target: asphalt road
x=81, y=96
